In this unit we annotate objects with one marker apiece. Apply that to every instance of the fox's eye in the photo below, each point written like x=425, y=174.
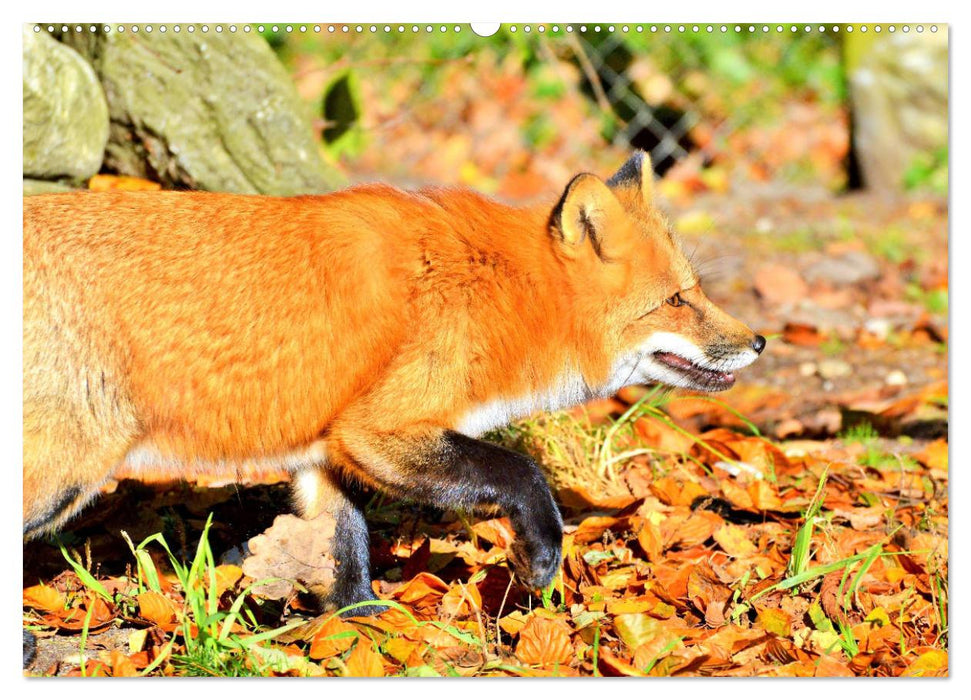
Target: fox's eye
x=675, y=300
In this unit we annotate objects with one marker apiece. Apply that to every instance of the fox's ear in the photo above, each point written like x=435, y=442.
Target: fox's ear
x=637, y=173
x=587, y=209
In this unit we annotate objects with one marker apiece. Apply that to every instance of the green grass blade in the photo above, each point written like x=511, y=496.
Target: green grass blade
x=89, y=581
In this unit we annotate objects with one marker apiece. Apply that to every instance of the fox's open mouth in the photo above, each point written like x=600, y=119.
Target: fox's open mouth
x=700, y=377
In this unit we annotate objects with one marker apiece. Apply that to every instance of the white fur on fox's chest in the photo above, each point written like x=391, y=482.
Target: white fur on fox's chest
x=569, y=389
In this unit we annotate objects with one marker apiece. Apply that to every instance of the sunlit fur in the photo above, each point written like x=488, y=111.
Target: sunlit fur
x=199, y=330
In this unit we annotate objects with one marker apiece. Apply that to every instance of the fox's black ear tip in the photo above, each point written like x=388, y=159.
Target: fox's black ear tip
x=631, y=171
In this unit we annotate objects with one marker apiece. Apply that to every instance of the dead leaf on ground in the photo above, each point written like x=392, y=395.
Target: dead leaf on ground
x=544, y=642
x=293, y=549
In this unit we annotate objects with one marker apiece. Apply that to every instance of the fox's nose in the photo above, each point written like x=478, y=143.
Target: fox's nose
x=758, y=344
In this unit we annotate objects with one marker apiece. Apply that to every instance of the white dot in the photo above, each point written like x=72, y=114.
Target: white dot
x=905, y=28
x=232, y=28
x=148, y=28
x=625, y=28
x=877, y=28
x=541, y=28
x=934, y=28
x=709, y=28
x=121, y=28
x=429, y=28
x=162, y=28
x=36, y=28
x=765, y=28
x=359, y=29
x=667, y=28
x=778, y=28
x=920, y=27
x=247, y=28
x=724, y=29
x=569, y=27
x=681, y=28
x=134, y=28
x=863, y=28
x=653, y=29
x=63, y=27
x=822, y=28
x=849, y=28
x=373, y=29
x=597, y=28
x=317, y=28
x=77, y=29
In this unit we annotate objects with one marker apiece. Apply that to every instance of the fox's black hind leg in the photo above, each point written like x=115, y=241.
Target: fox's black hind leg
x=318, y=491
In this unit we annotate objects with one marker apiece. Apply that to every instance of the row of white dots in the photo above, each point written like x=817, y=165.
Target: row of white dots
x=360, y=29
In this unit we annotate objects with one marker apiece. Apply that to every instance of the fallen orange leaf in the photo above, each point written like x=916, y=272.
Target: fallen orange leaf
x=364, y=662
x=121, y=665
x=544, y=642
x=158, y=609
x=44, y=597
x=107, y=183
x=930, y=663
x=334, y=637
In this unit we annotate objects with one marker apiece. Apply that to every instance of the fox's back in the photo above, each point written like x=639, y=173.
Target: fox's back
x=245, y=320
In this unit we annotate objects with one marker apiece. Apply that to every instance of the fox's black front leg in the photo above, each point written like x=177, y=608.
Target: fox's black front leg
x=449, y=470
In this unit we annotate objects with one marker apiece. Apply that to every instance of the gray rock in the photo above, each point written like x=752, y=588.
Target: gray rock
x=899, y=90
x=849, y=268
x=44, y=187
x=210, y=111
x=65, y=113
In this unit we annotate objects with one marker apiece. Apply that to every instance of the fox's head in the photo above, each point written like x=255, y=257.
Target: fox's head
x=637, y=293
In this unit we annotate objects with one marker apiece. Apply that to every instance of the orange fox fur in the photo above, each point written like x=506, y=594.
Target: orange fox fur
x=339, y=333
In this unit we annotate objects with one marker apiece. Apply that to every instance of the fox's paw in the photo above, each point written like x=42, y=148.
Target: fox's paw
x=30, y=648
x=535, y=565
x=344, y=596
x=536, y=561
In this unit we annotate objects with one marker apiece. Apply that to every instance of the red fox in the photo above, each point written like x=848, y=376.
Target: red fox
x=365, y=336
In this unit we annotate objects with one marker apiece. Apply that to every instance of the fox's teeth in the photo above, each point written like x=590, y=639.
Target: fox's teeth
x=700, y=376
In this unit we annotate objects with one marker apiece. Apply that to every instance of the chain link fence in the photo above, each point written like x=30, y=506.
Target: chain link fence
x=519, y=112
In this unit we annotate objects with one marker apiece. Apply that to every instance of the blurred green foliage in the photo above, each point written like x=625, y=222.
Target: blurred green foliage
x=780, y=63
x=929, y=171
